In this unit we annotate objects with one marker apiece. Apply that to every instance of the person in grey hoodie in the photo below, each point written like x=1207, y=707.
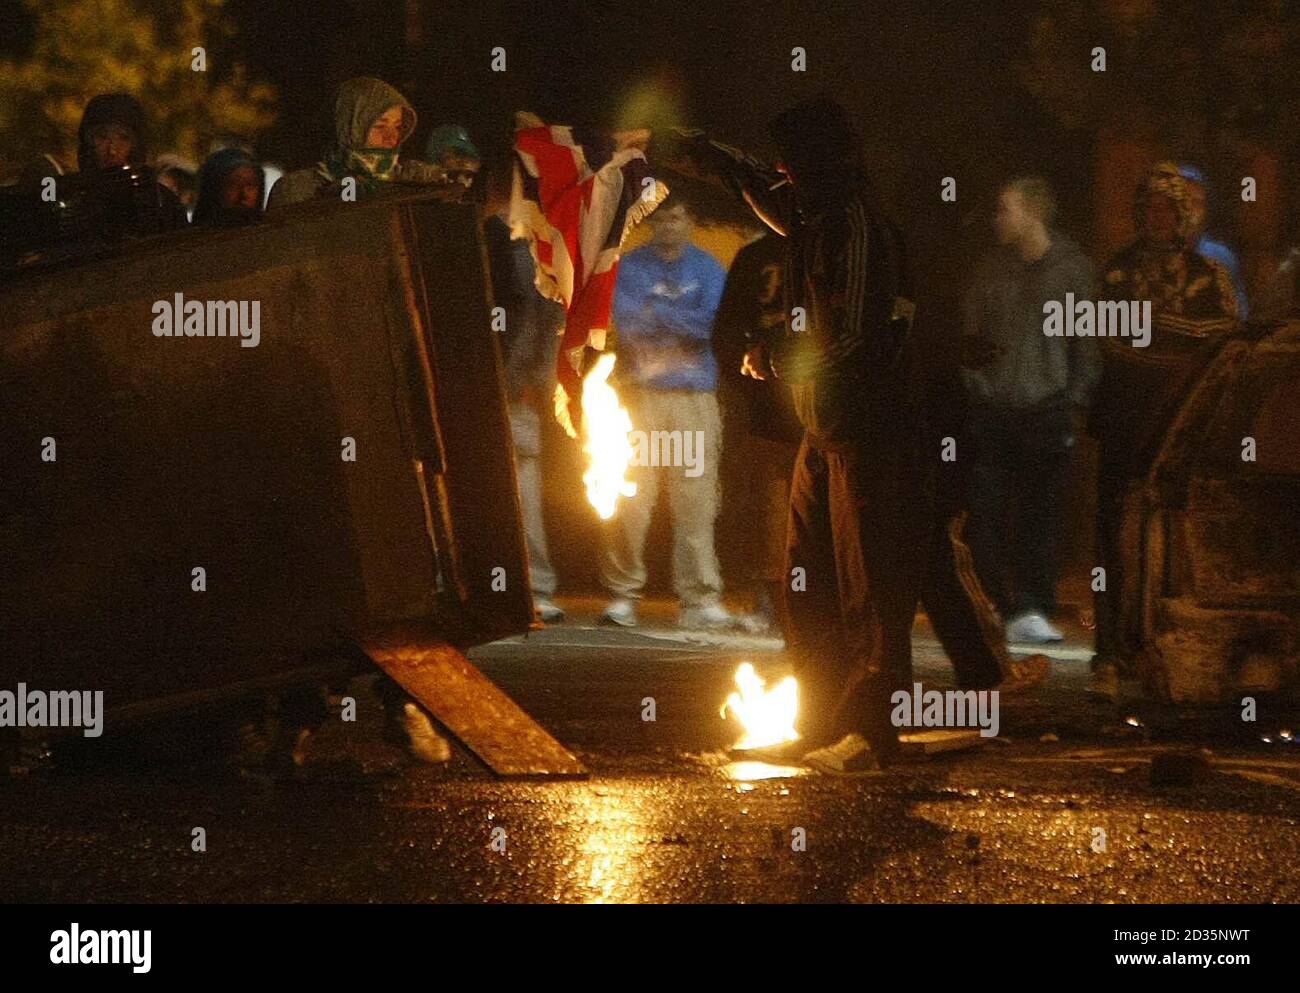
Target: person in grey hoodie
x=1026, y=393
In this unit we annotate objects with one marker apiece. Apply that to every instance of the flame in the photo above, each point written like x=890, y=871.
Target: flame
x=767, y=716
x=605, y=429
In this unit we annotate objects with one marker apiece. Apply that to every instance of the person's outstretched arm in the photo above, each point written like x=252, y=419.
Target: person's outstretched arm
x=693, y=153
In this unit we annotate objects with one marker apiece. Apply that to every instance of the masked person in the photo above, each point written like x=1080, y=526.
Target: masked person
x=371, y=123
x=230, y=190
x=964, y=619
x=1193, y=304
x=861, y=491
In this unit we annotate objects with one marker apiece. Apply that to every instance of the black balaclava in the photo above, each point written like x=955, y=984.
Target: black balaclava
x=112, y=108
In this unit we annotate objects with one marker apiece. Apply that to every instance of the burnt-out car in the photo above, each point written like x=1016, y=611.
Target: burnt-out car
x=191, y=515
x=1211, y=537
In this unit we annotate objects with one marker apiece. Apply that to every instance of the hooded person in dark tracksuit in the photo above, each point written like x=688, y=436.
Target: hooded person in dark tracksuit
x=861, y=491
x=963, y=617
x=114, y=197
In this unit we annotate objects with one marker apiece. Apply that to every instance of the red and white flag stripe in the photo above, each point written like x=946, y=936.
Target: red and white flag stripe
x=577, y=196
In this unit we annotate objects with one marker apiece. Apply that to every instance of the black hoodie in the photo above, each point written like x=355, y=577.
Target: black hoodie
x=112, y=108
x=127, y=201
x=847, y=352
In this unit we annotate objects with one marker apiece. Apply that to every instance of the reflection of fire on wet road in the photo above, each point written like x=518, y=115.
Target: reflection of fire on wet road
x=612, y=829
x=767, y=716
x=752, y=772
x=605, y=429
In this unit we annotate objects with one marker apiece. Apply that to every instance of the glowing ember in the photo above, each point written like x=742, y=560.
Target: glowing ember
x=605, y=429
x=766, y=715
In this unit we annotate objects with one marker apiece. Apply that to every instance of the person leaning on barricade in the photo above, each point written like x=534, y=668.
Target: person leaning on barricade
x=372, y=121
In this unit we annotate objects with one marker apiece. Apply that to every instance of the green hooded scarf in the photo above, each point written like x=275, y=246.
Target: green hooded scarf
x=361, y=102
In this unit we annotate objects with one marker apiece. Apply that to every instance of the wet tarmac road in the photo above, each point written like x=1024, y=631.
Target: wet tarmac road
x=664, y=816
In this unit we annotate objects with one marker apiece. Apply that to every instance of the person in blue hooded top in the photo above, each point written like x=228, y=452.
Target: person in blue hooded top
x=1199, y=239
x=230, y=190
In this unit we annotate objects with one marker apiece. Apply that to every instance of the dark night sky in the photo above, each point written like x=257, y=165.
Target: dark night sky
x=930, y=81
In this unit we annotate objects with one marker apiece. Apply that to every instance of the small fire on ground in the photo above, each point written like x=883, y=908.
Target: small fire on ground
x=767, y=716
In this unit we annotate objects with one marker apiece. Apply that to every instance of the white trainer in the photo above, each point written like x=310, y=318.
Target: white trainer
x=710, y=617
x=621, y=611
x=547, y=610
x=422, y=741
x=1032, y=629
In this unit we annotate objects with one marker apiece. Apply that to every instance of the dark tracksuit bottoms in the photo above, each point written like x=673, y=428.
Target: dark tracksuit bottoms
x=858, y=533
x=870, y=544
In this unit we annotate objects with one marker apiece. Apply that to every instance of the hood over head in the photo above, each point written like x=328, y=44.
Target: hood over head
x=1164, y=180
x=450, y=138
x=817, y=139
x=212, y=177
x=112, y=108
x=361, y=101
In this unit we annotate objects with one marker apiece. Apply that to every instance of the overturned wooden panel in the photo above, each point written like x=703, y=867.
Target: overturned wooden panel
x=465, y=702
x=333, y=478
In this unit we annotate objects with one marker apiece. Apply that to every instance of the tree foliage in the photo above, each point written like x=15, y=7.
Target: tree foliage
x=1179, y=69
x=144, y=47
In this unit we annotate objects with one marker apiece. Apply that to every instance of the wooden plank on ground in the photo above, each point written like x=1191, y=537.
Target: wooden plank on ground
x=940, y=740
x=472, y=708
